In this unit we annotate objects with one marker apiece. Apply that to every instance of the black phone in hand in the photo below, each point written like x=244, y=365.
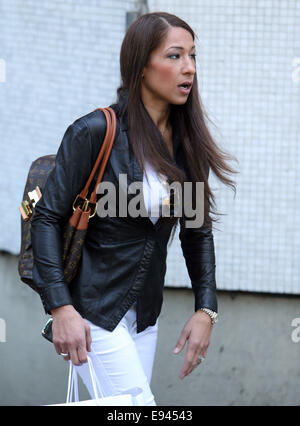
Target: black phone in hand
x=47, y=330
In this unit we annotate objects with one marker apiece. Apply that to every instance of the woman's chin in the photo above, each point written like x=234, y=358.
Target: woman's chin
x=178, y=100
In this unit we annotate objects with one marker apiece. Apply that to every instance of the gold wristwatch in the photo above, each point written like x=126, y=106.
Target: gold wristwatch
x=213, y=315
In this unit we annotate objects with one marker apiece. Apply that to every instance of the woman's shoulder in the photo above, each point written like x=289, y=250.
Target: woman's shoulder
x=95, y=121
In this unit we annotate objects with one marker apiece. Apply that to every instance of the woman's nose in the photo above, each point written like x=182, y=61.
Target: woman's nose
x=189, y=66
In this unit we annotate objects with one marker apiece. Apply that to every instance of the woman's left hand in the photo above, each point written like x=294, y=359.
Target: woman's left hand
x=197, y=331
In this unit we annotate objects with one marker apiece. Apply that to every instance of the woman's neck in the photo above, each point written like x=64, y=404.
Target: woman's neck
x=158, y=111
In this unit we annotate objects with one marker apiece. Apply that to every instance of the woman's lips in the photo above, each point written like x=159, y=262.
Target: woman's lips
x=183, y=90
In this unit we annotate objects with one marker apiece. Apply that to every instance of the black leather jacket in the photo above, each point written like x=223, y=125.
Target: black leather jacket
x=123, y=258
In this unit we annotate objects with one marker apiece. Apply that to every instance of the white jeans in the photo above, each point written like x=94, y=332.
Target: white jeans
x=122, y=359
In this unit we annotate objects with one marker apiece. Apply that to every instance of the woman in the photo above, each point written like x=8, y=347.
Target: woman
x=112, y=307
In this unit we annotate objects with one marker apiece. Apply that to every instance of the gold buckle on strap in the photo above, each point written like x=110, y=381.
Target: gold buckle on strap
x=85, y=206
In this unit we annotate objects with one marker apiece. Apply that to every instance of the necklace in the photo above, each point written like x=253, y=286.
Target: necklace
x=164, y=183
x=172, y=201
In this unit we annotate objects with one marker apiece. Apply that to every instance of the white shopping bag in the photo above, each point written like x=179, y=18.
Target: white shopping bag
x=133, y=396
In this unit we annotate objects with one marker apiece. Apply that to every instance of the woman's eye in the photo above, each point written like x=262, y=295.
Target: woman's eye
x=177, y=55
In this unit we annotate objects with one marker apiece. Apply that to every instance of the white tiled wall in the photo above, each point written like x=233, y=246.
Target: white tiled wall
x=60, y=60
x=246, y=60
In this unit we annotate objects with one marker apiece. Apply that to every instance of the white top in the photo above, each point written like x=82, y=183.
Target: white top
x=154, y=192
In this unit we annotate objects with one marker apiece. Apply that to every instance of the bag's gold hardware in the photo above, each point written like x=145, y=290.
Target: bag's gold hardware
x=25, y=210
x=34, y=196
x=85, y=206
x=74, y=208
x=95, y=208
x=26, y=207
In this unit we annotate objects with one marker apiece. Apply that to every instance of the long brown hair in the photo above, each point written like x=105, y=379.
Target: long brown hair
x=201, y=151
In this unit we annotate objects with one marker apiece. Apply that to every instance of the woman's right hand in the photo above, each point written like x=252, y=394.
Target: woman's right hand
x=71, y=334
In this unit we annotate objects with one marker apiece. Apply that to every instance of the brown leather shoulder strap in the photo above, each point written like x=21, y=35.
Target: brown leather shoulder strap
x=111, y=125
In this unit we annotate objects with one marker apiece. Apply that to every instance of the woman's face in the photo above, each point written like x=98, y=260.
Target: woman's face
x=170, y=65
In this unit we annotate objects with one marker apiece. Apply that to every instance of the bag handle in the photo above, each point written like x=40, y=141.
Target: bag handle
x=136, y=393
x=111, y=126
x=73, y=382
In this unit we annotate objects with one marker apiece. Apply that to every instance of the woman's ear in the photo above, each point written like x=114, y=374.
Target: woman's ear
x=143, y=72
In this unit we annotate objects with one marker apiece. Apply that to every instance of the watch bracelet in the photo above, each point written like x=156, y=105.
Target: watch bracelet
x=213, y=315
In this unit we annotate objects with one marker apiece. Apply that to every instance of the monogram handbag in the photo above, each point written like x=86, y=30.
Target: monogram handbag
x=84, y=208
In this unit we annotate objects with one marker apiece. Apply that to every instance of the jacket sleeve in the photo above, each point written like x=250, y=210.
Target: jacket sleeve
x=198, y=249
x=72, y=168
